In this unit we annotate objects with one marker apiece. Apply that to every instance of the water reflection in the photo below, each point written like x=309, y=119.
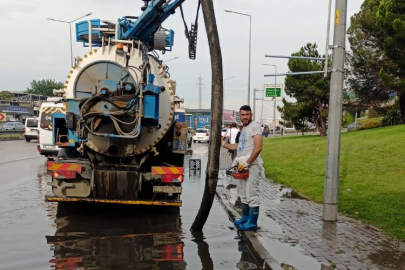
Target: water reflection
x=151, y=239
x=203, y=250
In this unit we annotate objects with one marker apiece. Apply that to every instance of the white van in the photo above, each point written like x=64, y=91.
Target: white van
x=31, y=129
x=46, y=146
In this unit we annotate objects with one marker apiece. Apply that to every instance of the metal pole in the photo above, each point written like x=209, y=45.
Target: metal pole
x=327, y=41
x=275, y=97
x=250, y=43
x=254, y=104
x=71, y=50
x=331, y=188
x=355, y=121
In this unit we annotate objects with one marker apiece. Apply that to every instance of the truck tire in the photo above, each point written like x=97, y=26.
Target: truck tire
x=27, y=139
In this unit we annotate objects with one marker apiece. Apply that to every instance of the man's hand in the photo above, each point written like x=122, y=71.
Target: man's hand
x=242, y=166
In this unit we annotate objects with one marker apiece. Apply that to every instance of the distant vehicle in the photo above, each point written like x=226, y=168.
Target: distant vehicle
x=353, y=126
x=31, y=129
x=201, y=135
x=207, y=127
x=13, y=126
x=189, y=137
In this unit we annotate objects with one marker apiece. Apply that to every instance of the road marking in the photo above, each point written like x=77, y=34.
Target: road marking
x=20, y=159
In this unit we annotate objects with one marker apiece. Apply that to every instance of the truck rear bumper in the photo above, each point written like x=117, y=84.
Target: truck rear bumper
x=130, y=202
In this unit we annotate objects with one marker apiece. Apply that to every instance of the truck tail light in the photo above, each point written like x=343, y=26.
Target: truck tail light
x=207, y=134
x=195, y=134
x=38, y=136
x=24, y=130
x=172, y=178
x=64, y=174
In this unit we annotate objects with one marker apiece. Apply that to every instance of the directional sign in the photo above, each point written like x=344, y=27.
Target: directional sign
x=270, y=91
x=3, y=117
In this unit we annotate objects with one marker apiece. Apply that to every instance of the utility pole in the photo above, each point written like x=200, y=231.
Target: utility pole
x=331, y=188
x=217, y=95
x=200, y=92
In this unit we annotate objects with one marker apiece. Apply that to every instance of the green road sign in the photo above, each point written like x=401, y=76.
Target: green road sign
x=270, y=92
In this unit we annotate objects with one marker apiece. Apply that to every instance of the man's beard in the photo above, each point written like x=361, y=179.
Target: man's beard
x=249, y=121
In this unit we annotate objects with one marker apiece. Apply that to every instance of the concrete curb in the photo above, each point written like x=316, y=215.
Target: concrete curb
x=265, y=260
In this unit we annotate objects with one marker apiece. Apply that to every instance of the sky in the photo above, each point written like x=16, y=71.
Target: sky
x=34, y=48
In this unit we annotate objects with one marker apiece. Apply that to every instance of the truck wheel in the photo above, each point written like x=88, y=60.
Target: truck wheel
x=27, y=139
x=194, y=141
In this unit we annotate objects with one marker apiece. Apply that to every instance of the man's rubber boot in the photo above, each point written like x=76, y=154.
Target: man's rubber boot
x=251, y=225
x=245, y=215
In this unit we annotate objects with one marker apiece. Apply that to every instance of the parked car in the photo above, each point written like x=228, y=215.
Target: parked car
x=31, y=129
x=13, y=126
x=201, y=135
x=353, y=126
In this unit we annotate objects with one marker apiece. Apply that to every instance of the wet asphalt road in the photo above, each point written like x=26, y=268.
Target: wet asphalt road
x=35, y=234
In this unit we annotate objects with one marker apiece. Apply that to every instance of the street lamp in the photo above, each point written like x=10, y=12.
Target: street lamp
x=70, y=29
x=223, y=100
x=250, y=43
x=275, y=97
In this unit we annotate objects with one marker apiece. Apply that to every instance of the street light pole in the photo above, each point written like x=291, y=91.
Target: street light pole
x=331, y=188
x=223, y=100
x=275, y=97
x=250, y=45
x=70, y=32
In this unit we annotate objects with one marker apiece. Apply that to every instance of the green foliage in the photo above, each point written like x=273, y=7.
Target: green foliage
x=44, y=87
x=310, y=91
x=370, y=123
x=392, y=116
x=347, y=119
x=391, y=20
x=6, y=95
x=366, y=59
x=371, y=172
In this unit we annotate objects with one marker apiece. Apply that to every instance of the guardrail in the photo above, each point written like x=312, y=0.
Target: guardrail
x=11, y=131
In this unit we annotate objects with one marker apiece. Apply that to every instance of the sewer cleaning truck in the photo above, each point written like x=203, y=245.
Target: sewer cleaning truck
x=122, y=140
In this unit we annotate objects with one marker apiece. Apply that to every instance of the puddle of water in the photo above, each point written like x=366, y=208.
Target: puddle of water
x=283, y=252
x=60, y=236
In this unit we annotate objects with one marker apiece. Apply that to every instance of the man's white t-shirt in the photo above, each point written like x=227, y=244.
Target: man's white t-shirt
x=231, y=134
x=246, y=142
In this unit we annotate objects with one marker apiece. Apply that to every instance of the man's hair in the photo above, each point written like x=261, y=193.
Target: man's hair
x=234, y=125
x=245, y=108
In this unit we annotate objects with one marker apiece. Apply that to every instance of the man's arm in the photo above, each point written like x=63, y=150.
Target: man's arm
x=257, y=139
x=229, y=146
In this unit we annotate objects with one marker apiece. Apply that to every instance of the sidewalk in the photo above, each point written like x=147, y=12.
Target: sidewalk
x=293, y=233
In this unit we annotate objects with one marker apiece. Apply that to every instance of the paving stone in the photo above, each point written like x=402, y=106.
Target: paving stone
x=349, y=242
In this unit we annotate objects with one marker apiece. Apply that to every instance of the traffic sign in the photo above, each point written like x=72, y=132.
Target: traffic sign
x=3, y=117
x=270, y=91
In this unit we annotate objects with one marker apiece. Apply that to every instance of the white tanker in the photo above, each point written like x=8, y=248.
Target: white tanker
x=124, y=135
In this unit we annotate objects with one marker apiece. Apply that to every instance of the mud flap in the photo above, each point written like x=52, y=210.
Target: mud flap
x=116, y=184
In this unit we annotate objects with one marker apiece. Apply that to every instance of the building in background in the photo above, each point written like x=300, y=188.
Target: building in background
x=21, y=107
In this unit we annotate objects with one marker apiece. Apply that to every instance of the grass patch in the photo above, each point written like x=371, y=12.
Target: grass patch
x=11, y=136
x=372, y=173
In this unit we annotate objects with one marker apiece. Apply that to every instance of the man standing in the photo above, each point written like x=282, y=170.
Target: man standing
x=231, y=134
x=248, y=157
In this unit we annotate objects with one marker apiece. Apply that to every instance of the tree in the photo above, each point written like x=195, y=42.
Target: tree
x=310, y=91
x=296, y=114
x=44, y=87
x=391, y=20
x=211, y=176
x=364, y=62
x=6, y=95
